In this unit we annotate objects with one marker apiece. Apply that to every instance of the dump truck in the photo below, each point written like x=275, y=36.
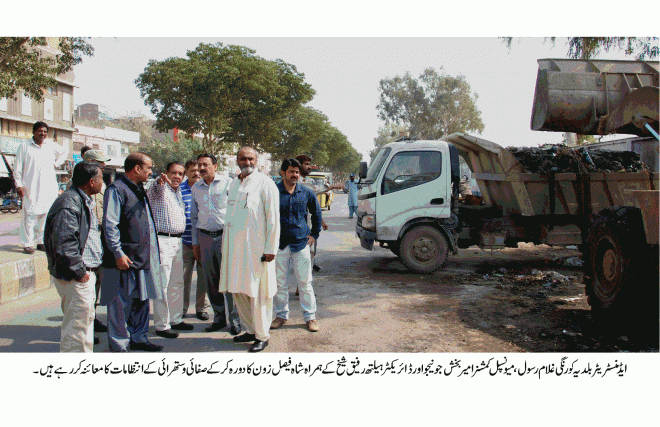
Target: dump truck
x=409, y=198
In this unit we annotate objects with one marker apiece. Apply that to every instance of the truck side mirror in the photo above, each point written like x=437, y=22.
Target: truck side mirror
x=363, y=170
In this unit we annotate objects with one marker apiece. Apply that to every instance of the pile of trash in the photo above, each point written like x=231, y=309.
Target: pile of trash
x=558, y=158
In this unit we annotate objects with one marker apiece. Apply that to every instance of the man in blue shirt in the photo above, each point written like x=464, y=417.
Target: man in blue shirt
x=352, y=196
x=295, y=241
x=189, y=262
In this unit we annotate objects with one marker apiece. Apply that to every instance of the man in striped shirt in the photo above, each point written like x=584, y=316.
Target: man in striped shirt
x=170, y=221
x=189, y=262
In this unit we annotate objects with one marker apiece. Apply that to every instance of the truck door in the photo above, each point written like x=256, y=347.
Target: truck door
x=415, y=184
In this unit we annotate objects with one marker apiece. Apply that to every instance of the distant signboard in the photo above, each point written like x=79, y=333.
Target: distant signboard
x=77, y=158
x=10, y=144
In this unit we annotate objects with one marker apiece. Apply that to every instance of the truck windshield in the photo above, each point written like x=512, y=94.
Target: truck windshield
x=377, y=164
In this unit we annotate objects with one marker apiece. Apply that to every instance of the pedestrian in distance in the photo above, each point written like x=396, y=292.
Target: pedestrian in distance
x=208, y=207
x=170, y=220
x=36, y=183
x=132, y=272
x=252, y=233
x=352, y=196
x=74, y=252
x=296, y=238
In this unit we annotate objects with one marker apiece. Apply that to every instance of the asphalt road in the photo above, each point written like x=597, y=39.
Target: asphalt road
x=504, y=302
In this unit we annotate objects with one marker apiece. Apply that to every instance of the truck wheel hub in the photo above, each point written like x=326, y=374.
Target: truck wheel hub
x=424, y=249
x=610, y=265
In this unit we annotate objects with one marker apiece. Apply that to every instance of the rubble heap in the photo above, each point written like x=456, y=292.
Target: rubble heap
x=558, y=158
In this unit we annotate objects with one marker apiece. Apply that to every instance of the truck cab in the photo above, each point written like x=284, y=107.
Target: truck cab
x=405, y=202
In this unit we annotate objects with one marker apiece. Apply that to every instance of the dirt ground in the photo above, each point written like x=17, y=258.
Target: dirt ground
x=527, y=299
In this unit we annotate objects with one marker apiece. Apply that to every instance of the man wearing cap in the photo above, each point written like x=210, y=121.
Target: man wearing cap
x=99, y=158
x=352, y=196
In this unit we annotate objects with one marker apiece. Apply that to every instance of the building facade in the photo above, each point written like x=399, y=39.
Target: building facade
x=116, y=143
x=17, y=116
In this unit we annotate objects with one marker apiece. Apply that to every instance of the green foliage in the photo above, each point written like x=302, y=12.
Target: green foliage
x=165, y=151
x=432, y=106
x=227, y=93
x=589, y=47
x=308, y=131
x=386, y=134
x=23, y=66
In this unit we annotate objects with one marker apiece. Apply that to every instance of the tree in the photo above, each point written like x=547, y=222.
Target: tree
x=308, y=131
x=135, y=122
x=431, y=107
x=226, y=93
x=386, y=134
x=165, y=151
x=589, y=47
x=32, y=63
x=299, y=132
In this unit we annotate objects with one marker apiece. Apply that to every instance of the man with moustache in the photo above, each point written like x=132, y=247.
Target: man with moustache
x=74, y=252
x=36, y=184
x=296, y=238
x=207, y=217
x=251, y=236
x=189, y=262
x=132, y=272
x=170, y=219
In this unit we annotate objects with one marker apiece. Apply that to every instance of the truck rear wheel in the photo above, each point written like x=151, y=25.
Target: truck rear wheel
x=423, y=249
x=613, y=261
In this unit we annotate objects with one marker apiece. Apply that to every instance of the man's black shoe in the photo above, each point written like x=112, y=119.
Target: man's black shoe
x=245, y=338
x=144, y=346
x=183, y=326
x=96, y=340
x=202, y=315
x=167, y=333
x=99, y=327
x=316, y=268
x=216, y=326
x=235, y=330
x=258, y=346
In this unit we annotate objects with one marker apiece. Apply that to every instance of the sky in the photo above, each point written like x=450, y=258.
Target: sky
x=345, y=73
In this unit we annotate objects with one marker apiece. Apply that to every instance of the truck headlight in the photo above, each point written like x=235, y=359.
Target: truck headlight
x=369, y=222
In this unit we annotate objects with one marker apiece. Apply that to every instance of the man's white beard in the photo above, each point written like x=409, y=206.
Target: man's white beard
x=247, y=170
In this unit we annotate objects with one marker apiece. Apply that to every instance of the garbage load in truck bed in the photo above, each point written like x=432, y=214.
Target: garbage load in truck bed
x=557, y=198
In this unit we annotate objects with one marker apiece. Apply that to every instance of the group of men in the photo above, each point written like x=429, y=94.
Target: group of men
x=248, y=237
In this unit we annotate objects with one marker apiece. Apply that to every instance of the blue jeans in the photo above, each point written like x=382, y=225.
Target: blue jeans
x=301, y=263
x=352, y=210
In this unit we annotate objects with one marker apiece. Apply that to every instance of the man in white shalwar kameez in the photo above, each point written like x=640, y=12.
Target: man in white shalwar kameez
x=36, y=184
x=251, y=239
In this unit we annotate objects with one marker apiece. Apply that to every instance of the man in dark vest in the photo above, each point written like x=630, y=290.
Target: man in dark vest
x=132, y=272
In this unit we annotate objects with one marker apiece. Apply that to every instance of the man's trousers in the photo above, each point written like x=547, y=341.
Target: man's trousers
x=32, y=229
x=211, y=249
x=169, y=310
x=77, y=335
x=201, y=299
x=255, y=315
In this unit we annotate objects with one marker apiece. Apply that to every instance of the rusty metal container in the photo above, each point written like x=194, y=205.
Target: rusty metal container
x=505, y=185
x=596, y=97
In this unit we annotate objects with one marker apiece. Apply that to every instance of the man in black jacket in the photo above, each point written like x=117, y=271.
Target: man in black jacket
x=132, y=272
x=74, y=251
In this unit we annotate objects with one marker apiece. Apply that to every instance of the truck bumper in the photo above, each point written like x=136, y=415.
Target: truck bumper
x=367, y=237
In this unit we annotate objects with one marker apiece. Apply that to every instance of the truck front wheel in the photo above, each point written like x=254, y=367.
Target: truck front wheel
x=423, y=249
